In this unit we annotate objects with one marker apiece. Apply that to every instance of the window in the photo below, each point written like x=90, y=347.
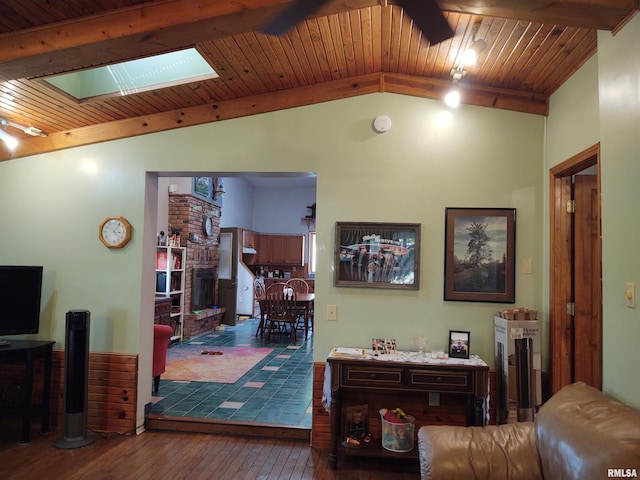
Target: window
x=312, y=252
x=174, y=68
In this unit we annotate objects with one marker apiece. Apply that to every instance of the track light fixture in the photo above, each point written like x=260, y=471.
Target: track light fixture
x=33, y=131
x=10, y=140
x=469, y=57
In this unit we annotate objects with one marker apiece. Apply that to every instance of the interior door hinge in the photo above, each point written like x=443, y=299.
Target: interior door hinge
x=571, y=206
x=571, y=309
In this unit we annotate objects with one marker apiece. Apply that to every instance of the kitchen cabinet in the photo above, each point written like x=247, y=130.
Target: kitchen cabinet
x=250, y=239
x=264, y=250
x=280, y=249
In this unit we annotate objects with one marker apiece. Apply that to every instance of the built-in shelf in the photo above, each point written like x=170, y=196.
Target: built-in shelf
x=170, y=282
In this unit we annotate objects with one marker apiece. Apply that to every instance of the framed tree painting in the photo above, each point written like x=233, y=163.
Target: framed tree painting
x=377, y=255
x=480, y=254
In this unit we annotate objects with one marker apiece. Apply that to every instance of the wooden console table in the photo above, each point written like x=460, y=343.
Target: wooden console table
x=393, y=382
x=25, y=352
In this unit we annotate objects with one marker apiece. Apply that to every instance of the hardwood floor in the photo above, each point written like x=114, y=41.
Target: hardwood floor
x=193, y=456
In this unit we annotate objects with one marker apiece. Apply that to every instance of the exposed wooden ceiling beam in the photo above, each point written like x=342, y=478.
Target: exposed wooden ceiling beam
x=595, y=14
x=173, y=24
x=242, y=107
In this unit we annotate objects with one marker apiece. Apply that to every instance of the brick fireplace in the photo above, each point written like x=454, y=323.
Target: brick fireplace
x=186, y=217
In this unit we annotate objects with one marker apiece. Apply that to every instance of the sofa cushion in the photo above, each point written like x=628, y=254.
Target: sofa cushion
x=505, y=452
x=581, y=433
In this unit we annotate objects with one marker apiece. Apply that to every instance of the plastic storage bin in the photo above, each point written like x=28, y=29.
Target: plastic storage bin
x=398, y=437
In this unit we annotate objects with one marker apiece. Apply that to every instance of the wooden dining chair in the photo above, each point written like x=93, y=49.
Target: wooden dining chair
x=301, y=286
x=258, y=288
x=259, y=293
x=281, y=311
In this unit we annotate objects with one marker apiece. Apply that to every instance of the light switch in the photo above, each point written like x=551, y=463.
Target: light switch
x=630, y=294
x=332, y=312
x=527, y=265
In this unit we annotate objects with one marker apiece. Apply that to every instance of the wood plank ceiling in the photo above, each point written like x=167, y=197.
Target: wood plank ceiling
x=350, y=47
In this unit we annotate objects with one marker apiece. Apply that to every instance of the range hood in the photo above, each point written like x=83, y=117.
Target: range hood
x=249, y=250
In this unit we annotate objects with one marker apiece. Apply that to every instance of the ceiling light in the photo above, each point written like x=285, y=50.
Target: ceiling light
x=470, y=56
x=452, y=98
x=33, y=131
x=10, y=140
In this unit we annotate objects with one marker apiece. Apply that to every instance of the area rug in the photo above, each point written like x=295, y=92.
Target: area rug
x=218, y=364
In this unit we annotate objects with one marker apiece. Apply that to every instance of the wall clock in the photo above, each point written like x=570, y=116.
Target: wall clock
x=207, y=226
x=114, y=232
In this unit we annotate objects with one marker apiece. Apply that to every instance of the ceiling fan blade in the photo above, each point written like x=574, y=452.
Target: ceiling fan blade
x=426, y=14
x=298, y=11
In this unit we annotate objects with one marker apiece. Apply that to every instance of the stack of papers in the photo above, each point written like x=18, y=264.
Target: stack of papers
x=349, y=352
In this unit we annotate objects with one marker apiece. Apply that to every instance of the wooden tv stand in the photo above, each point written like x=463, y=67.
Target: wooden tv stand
x=398, y=383
x=26, y=352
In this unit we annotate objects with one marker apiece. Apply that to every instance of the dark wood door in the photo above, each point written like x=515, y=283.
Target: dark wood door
x=587, y=331
x=575, y=308
x=561, y=295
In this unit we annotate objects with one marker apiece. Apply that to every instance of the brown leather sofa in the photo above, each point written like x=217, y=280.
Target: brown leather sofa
x=579, y=433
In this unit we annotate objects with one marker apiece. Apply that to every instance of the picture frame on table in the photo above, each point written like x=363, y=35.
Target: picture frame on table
x=480, y=255
x=459, y=343
x=357, y=427
x=377, y=255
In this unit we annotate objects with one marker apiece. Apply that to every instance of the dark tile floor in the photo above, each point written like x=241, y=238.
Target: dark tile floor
x=277, y=390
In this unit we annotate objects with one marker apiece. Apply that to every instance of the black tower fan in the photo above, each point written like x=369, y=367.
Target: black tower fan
x=76, y=372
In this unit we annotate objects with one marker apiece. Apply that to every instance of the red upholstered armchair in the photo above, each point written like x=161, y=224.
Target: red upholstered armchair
x=161, y=337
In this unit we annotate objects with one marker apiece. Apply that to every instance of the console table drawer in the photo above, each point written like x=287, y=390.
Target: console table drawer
x=355, y=376
x=442, y=380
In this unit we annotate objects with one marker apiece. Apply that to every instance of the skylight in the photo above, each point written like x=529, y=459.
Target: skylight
x=134, y=76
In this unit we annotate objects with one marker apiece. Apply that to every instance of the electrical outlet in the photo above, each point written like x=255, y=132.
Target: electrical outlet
x=332, y=312
x=434, y=399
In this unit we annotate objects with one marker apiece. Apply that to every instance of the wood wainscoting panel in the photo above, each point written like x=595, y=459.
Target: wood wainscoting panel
x=320, y=420
x=112, y=392
x=450, y=412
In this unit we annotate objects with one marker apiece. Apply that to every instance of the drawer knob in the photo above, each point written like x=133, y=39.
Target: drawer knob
x=438, y=379
x=372, y=376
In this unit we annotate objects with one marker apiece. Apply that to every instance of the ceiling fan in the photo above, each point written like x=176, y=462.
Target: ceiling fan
x=426, y=14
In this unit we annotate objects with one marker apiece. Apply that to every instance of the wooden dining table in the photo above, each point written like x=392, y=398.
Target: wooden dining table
x=304, y=301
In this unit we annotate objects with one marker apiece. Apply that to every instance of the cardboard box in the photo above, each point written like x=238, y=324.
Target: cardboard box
x=507, y=362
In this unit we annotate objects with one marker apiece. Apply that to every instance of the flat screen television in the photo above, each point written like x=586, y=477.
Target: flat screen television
x=20, y=294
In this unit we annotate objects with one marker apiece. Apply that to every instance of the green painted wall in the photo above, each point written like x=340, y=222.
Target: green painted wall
x=619, y=80
x=51, y=206
x=572, y=127
x=601, y=103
